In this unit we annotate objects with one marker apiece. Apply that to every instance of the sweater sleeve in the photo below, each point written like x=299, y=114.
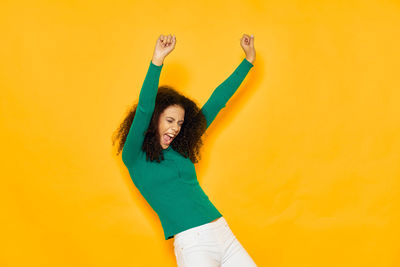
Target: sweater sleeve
x=144, y=112
x=224, y=91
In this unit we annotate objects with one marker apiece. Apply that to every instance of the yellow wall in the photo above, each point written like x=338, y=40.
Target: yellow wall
x=303, y=162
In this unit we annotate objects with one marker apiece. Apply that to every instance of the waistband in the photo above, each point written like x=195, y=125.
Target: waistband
x=220, y=222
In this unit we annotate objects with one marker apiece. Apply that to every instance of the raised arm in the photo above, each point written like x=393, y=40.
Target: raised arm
x=224, y=91
x=146, y=103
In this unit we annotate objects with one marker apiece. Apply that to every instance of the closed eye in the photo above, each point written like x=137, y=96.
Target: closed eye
x=180, y=124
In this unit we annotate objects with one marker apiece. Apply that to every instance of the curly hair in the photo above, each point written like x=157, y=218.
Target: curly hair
x=187, y=143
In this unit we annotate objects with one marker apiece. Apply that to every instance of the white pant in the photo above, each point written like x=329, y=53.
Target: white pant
x=210, y=245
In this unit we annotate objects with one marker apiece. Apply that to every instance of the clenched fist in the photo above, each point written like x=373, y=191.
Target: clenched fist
x=164, y=46
x=247, y=43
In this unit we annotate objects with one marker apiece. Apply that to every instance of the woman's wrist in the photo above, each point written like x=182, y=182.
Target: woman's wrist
x=250, y=59
x=157, y=61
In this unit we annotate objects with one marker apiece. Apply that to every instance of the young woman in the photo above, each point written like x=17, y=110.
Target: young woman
x=160, y=140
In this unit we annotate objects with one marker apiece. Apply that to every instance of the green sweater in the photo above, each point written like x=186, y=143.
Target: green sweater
x=171, y=187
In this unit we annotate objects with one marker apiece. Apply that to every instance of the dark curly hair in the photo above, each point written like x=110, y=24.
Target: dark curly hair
x=187, y=142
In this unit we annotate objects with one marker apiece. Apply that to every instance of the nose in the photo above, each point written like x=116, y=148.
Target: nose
x=175, y=128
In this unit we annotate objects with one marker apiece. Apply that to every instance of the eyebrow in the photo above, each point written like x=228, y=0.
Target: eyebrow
x=173, y=118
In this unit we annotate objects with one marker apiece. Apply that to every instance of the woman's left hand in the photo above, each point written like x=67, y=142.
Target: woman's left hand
x=247, y=43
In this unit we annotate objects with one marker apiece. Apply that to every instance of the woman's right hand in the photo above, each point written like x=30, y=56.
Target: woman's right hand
x=164, y=46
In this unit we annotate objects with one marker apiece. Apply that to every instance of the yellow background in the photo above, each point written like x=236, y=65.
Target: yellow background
x=303, y=162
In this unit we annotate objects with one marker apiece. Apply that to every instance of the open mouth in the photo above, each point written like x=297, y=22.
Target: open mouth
x=167, y=138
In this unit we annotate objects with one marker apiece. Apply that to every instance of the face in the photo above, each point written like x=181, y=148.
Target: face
x=169, y=124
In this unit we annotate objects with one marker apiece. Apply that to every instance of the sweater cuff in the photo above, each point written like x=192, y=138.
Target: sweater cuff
x=155, y=66
x=247, y=63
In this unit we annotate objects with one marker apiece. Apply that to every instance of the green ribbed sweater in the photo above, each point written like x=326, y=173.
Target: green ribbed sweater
x=171, y=187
